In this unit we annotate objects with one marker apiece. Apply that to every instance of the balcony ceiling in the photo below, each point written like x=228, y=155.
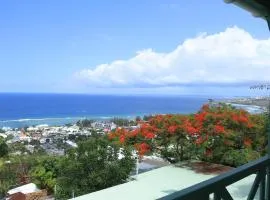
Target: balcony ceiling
x=258, y=8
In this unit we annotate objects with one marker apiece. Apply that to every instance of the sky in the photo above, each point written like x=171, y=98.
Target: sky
x=164, y=47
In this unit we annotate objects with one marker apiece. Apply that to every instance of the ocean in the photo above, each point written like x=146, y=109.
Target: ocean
x=20, y=110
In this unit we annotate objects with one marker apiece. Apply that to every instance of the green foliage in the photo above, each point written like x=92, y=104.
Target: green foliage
x=138, y=118
x=9, y=137
x=18, y=146
x=13, y=169
x=123, y=122
x=3, y=148
x=84, y=123
x=44, y=174
x=237, y=157
x=39, y=151
x=147, y=117
x=34, y=142
x=80, y=138
x=72, y=137
x=7, y=177
x=93, y=166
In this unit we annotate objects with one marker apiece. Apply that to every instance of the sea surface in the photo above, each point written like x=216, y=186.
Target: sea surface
x=20, y=110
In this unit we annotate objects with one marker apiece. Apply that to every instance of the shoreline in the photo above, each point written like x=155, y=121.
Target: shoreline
x=62, y=121
x=254, y=105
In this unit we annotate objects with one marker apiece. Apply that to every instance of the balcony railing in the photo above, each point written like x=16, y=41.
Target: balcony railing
x=215, y=188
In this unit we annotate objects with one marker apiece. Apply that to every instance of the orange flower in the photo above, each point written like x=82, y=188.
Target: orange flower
x=247, y=142
x=133, y=133
x=142, y=148
x=243, y=119
x=111, y=136
x=205, y=107
x=122, y=139
x=250, y=125
x=219, y=129
x=200, y=117
x=149, y=135
x=235, y=117
x=192, y=130
x=172, y=129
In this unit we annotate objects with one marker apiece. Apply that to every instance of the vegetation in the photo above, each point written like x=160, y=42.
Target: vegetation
x=123, y=122
x=84, y=123
x=147, y=117
x=18, y=147
x=3, y=148
x=94, y=165
x=14, y=171
x=207, y=135
x=45, y=172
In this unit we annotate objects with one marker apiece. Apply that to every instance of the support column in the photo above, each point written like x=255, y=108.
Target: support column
x=268, y=22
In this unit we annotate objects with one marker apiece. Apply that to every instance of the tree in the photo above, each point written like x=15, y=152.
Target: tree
x=15, y=171
x=45, y=172
x=93, y=166
x=138, y=118
x=3, y=148
x=18, y=146
x=207, y=135
x=147, y=117
x=84, y=123
x=123, y=122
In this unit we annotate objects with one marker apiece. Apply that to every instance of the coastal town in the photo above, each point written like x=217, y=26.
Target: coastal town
x=54, y=140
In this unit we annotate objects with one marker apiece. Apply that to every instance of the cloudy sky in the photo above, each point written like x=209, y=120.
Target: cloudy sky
x=135, y=47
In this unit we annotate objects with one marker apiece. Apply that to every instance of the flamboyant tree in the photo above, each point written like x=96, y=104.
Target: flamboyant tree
x=208, y=135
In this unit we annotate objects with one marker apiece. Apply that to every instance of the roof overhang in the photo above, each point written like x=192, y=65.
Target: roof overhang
x=258, y=8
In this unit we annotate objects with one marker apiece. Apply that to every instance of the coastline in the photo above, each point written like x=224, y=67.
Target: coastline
x=254, y=105
x=54, y=121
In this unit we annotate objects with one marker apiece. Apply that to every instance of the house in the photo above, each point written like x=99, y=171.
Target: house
x=26, y=192
x=3, y=135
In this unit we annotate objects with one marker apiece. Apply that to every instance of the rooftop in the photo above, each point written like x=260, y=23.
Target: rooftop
x=166, y=180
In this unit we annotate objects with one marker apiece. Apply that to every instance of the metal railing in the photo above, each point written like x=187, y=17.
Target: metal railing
x=217, y=185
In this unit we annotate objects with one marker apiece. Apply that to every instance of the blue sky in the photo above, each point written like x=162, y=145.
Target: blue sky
x=61, y=46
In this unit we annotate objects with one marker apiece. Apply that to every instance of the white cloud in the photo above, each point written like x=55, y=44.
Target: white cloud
x=229, y=57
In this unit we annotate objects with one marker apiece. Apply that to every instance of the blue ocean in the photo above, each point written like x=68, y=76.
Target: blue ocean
x=19, y=110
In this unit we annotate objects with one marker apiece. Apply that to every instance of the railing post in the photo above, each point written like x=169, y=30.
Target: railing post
x=217, y=195
x=226, y=195
x=262, y=187
x=268, y=183
x=255, y=185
